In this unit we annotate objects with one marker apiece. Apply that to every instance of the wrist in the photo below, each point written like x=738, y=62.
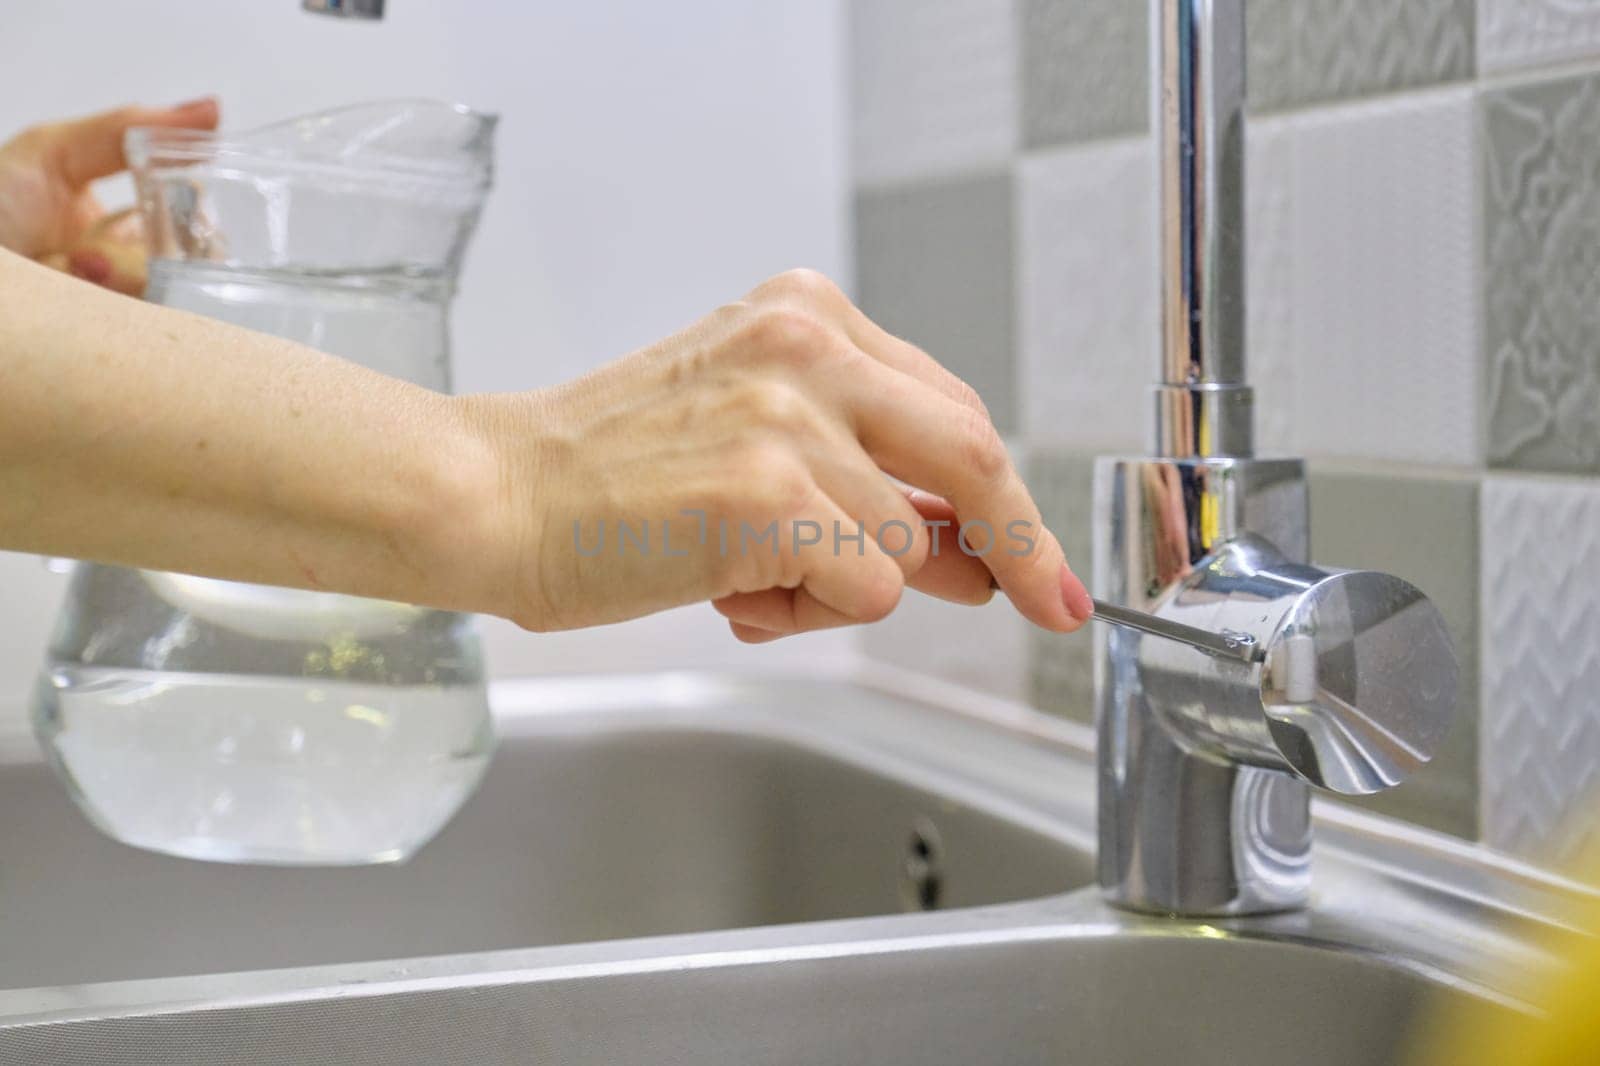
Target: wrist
x=450, y=516
x=490, y=479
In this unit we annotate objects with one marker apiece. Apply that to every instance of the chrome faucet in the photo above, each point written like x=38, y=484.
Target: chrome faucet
x=350, y=9
x=1206, y=760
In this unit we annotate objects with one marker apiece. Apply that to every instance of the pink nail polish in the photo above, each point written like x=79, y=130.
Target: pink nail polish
x=1076, y=598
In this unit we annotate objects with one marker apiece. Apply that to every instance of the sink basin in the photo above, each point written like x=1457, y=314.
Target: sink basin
x=707, y=869
x=603, y=816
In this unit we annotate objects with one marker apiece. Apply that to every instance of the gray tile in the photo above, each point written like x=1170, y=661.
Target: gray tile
x=1529, y=33
x=1304, y=52
x=934, y=265
x=1084, y=69
x=1424, y=529
x=1541, y=278
x=1061, y=668
x=1541, y=668
x=933, y=87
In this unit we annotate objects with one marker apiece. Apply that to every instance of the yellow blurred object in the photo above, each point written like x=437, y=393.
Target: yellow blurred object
x=1568, y=1033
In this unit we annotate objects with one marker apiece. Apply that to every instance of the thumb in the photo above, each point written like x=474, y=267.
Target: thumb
x=90, y=148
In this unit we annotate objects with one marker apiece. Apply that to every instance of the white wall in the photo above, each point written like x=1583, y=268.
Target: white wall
x=655, y=160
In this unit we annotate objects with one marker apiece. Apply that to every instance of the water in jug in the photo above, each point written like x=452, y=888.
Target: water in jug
x=240, y=723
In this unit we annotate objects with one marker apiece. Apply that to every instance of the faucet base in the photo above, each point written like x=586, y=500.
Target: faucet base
x=1257, y=860
x=1184, y=830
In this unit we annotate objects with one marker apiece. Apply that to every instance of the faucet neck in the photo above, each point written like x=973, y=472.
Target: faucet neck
x=1205, y=763
x=1204, y=407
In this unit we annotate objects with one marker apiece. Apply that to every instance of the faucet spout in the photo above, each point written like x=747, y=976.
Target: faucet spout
x=1203, y=405
x=350, y=9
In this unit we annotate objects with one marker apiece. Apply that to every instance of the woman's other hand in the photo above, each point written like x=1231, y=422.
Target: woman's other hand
x=48, y=211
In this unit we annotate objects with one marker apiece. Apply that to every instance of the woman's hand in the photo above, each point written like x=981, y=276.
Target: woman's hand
x=745, y=458
x=49, y=213
x=738, y=462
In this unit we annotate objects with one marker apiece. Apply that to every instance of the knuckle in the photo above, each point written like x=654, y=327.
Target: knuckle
x=762, y=482
x=731, y=314
x=981, y=450
x=774, y=405
x=790, y=335
x=785, y=487
x=968, y=396
x=805, y=285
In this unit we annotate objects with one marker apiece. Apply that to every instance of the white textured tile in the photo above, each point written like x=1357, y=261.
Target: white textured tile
x=935, y=87
x=985, y=648
x=1307, y=51
x=1540, y=745
x=1270, y=339
x=1526, y=33
x=1365, y=280
x=1088, y=307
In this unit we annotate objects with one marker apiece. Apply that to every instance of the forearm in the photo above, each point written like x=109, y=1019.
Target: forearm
x=143, y=436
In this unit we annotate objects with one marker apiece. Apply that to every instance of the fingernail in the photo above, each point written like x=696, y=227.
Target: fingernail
x=90, y=265
x=1078, y=602
x=199, y=101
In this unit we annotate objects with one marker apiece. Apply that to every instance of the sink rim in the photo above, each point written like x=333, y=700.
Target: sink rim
x=1405, y=897
x=1077, y=915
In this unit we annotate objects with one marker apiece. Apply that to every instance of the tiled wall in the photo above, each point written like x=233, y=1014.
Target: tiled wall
x=1424, y=287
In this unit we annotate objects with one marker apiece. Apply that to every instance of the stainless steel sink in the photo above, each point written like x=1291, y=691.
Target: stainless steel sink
x=610, y=811
x=759, y=842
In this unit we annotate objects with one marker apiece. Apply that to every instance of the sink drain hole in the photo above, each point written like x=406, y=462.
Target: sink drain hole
x=922, y=868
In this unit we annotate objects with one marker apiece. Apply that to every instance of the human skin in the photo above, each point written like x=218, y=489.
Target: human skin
x=48, y=210
x=145, y=436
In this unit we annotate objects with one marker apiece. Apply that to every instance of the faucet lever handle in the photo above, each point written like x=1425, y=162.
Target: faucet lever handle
x=1351, y=683
x=1228, y=644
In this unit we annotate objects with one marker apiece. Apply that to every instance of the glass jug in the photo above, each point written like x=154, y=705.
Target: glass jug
x=242, y=723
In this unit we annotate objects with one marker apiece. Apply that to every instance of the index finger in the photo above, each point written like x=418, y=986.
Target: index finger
x=922, y=436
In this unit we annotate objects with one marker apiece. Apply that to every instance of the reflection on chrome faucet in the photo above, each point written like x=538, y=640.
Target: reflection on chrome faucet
x=1205, y=760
